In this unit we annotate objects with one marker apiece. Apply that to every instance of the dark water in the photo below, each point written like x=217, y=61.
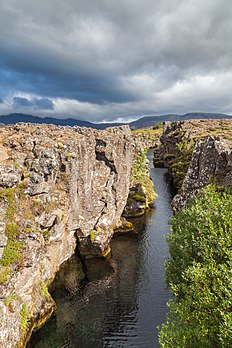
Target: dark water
x=119, y=302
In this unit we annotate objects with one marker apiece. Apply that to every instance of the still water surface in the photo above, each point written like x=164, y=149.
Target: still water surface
x=116, y=303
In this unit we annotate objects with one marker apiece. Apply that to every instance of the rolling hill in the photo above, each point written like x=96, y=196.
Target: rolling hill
x=147, y=121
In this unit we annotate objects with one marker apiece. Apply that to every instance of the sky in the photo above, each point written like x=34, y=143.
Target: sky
x=115, y=60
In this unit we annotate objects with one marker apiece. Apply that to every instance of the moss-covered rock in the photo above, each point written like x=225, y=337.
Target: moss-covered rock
x=142, y=193
x=126, y=227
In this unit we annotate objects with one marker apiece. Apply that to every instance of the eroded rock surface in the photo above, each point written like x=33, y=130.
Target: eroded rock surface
x=196, y=153
x=211, y=163
x=57, y=185
x=178, y=140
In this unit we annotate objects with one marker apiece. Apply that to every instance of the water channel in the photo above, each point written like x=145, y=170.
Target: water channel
x=116, y=303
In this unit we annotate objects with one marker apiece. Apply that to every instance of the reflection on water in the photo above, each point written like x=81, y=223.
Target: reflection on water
x=118, y=302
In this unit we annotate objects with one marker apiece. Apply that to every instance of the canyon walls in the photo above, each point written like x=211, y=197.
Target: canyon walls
x=59, y=187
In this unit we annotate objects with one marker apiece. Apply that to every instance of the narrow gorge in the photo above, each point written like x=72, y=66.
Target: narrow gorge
x=71, y=189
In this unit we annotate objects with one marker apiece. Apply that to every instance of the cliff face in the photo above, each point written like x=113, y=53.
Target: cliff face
x=211, y=163
x=142, y=193
x=196, y=153
x=178, y=141
x=58, y=186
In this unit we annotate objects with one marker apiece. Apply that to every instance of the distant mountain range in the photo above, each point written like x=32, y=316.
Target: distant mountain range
x=14, y=118
x=147, y=121
x=151, y=120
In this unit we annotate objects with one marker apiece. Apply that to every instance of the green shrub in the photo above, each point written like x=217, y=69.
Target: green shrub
x=158, y=125
x=199, y=273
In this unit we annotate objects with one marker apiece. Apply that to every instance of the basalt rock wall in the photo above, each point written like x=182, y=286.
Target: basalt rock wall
x=178, y=141
x=59, y=186
x=196, y=153
x=211, y=163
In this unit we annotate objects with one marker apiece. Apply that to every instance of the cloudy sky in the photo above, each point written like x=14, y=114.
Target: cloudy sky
x=107, y=60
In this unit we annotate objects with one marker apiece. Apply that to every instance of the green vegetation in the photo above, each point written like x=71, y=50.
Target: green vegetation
x=106, y=252
x=158, y=125
x=7, y=300
x=70, y=154
x=92, y=234
x=46, y=233
x=144, y=188
x=137, y=196
x=125, y=227
x=26, y=175
x=60, y=145
x=13, y=251
x=150, y=133
x=199, y=273
x=179, y=165
x=8, y=194
x=139, y=168
x=24, y=317
x=4, y=272
x=44, y=290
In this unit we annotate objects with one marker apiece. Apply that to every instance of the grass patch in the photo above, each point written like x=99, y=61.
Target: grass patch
x=13, y=251
x=4, y=272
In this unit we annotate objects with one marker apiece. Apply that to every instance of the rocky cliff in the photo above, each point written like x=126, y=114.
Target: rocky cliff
x=59, y=187
x=178, y=141
x=142, y=193
x=196, y=153
x=211, y=162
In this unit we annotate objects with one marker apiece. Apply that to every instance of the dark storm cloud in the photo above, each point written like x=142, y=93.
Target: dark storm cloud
x=37, y=103
x=44, y=104
x=125, y=57
x=24, y=102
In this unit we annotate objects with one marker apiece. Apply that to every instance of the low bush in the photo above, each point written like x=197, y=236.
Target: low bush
x=199, y=273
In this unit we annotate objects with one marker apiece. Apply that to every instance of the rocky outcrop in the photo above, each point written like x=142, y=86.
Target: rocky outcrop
x=142, y=194
x=211, y=163
x=178, y=140
x=196, y=153
x=147, y=138
x=59, y=186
